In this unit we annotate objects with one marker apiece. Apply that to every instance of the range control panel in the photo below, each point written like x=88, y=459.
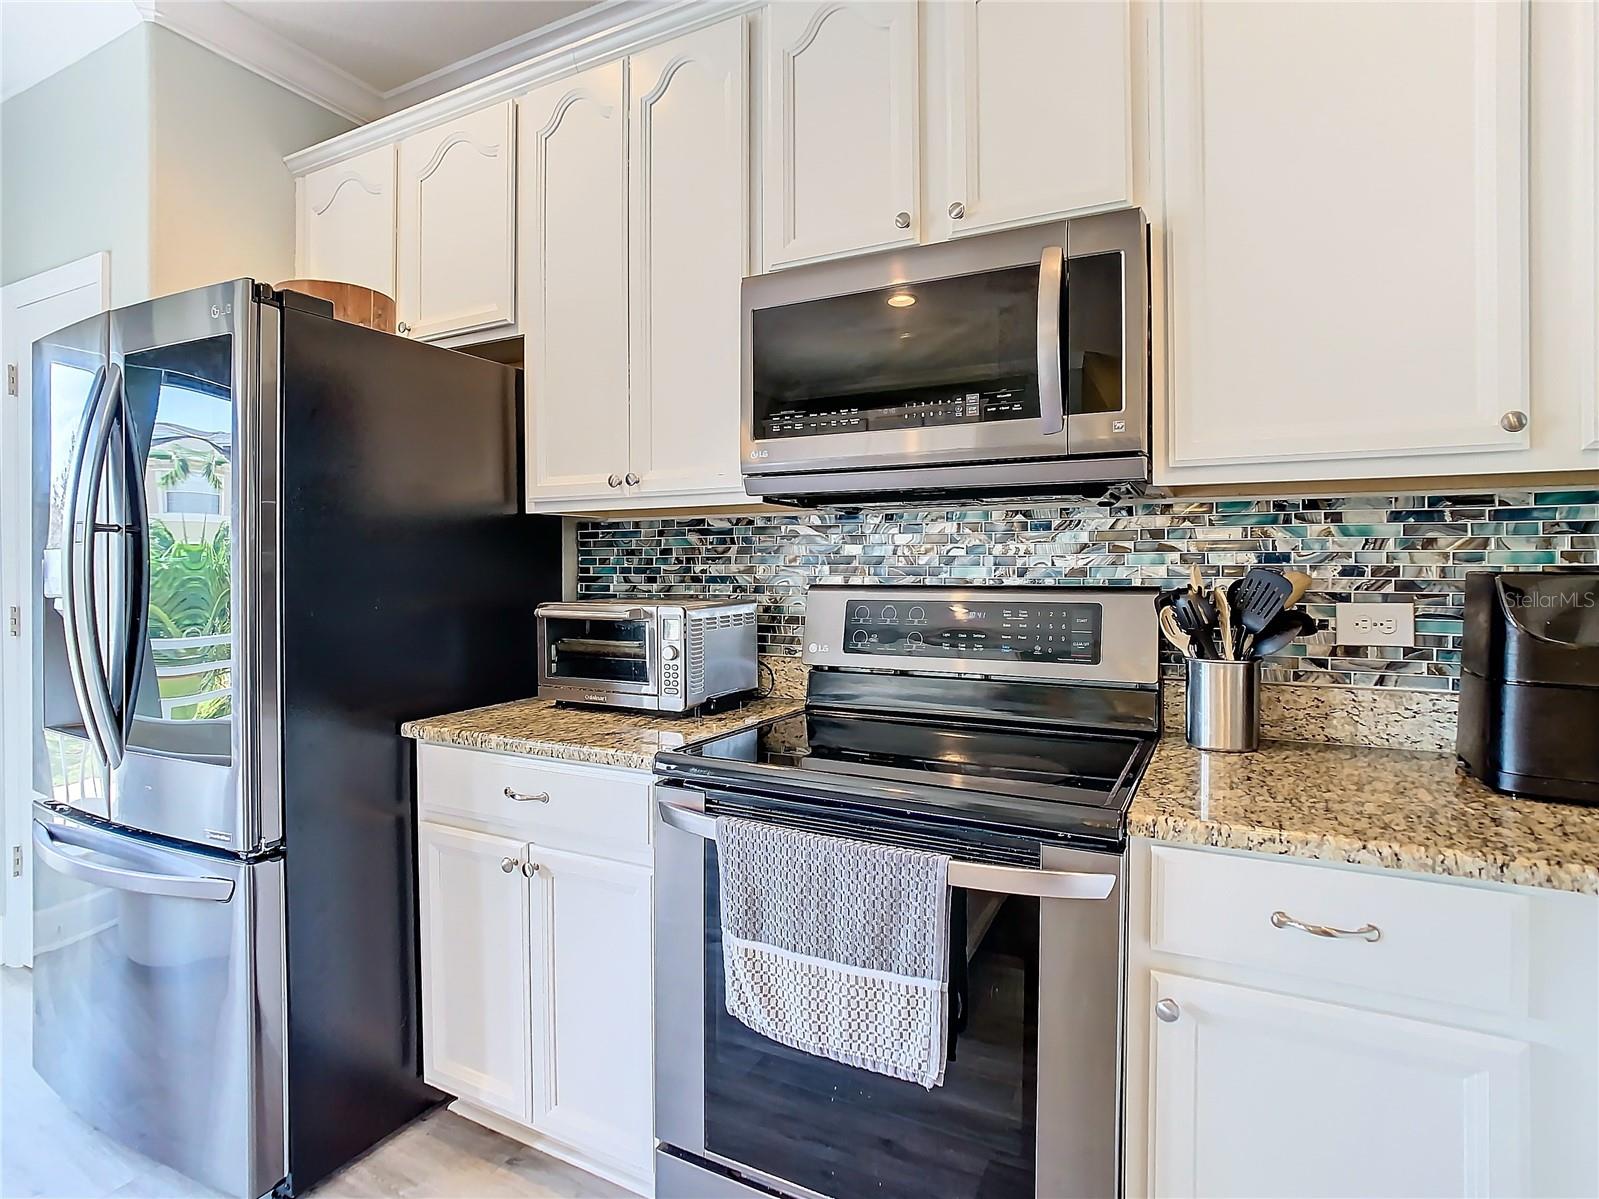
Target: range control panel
x=987, y=630
x=904, y=410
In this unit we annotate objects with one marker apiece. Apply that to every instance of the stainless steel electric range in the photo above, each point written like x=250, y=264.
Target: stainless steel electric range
x=1007, y=728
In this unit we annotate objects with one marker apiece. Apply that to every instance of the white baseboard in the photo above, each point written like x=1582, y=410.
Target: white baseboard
x=533, y=1139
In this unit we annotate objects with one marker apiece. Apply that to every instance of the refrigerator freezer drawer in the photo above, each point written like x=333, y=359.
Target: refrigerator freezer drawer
x=159, y=1010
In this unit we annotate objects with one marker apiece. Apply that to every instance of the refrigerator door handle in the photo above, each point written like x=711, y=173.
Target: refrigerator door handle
x=175, y=886
x=136, y=535
x=84, y=660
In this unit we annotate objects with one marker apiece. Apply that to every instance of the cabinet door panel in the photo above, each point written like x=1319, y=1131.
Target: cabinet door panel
x=1346, y=280
x=1038, y=100
x=689, y=247
x=475, y=997
x=840, y=144
x=593, y=1068
x=457, y=225
x=575, y=224
x=347, y=215
x=1254, y=1093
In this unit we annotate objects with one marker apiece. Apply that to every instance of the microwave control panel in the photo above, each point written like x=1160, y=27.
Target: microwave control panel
x=921, y=409
x=994, y=630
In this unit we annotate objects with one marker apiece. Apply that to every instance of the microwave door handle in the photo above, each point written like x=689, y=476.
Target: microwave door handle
x=974, y=876
x=1051, y=396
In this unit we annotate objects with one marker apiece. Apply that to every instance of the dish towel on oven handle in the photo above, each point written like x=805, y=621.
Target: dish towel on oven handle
x=838, y=948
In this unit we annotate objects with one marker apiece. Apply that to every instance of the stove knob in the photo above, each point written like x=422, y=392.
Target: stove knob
x=671, y=653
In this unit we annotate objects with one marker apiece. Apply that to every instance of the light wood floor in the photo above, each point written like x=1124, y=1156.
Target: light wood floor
x=48, y=1153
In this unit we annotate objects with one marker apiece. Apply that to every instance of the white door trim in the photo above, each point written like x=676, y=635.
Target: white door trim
x=92, y=277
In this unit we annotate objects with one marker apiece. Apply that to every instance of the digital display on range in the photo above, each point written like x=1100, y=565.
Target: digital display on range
x=985, y=629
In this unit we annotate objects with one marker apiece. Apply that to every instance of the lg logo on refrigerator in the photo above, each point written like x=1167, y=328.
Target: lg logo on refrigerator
x=219, y=310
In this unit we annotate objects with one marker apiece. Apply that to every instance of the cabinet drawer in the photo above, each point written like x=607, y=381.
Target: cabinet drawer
x=589, y=809
x=1434, y=940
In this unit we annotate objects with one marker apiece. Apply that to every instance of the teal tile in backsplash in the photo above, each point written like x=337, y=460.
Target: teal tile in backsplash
x=1370, y=548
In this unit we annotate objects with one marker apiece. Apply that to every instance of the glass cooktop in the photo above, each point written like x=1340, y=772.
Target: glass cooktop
x=1021, y=780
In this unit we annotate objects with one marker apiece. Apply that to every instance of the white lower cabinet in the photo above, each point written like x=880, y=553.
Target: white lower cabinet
x=1301, y=1028
x=475, y=952
x=536, y=953
x=1256, y=1093
x=591, y=1014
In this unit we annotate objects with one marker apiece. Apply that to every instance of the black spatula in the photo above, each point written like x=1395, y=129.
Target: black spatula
x=1256, y=600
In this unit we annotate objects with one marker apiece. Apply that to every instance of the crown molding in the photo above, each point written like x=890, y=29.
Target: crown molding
x=601, y=34
x=225, y=31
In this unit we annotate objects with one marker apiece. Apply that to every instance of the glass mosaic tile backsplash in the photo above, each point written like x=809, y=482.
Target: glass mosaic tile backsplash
x=1371, y=548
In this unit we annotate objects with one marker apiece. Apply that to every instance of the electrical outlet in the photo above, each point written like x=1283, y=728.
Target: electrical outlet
x=1376, y=624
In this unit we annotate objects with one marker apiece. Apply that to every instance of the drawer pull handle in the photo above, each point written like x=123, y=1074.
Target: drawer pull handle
x=1366, y=932
x=541, y=797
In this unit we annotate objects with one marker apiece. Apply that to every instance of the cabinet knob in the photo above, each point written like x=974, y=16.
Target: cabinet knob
x=509, y=865
x=1167, y=1011
x=530, y=868
x=957, y=210
x=902, y=220
x=402, y=328
x=631, y=480
x=615, y=480
x=1513, y=421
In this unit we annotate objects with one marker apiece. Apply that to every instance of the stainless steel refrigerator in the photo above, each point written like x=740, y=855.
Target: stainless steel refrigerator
x=263, y=539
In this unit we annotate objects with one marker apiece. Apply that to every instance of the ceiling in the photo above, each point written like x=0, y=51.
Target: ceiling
x=391, y=45
x=361, y=58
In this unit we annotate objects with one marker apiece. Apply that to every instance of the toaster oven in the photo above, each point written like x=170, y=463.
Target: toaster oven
x=651, y=655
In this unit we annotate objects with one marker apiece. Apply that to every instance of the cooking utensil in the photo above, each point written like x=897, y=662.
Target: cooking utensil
x=1288, y=626
x=1301, y=581
x=1256, y=599
x=1196, y=616
x=1174, y=634
x=1224, y=621
x=1194, y=579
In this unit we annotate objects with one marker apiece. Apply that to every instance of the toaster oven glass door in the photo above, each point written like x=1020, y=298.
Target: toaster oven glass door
x=600, y=651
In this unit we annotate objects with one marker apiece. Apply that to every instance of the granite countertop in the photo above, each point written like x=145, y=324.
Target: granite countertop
x=599, y=736
x=1379, y=807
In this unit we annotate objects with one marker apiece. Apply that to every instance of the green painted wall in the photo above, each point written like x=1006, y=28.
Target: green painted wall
x=161, y=152
x=75, y=168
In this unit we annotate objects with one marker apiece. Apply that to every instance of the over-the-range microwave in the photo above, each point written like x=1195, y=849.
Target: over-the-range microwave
x=996, y=365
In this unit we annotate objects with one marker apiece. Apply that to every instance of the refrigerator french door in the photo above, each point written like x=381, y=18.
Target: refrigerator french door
x=154, y=567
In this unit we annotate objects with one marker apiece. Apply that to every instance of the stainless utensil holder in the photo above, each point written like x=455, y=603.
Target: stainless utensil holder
x=1223, y=705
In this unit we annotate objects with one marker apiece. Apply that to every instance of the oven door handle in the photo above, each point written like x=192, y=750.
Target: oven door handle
x=973, y=876
x=587, y=611
x=1051, y=392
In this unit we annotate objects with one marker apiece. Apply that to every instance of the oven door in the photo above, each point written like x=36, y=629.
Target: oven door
x=1024, y=345
x=1031, y=1099
x=599, y=653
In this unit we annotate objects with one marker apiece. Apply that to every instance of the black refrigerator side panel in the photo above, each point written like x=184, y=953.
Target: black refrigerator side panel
x=409, y=579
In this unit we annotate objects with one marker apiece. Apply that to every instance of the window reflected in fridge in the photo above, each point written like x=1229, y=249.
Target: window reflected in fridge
x=839, y=1130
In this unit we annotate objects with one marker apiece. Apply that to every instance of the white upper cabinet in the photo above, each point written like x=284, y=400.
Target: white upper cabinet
x=1255, y=1093
x=574, y=225
x=457, y=243
x=1035, y=112
x=840, y=129
x=689, y=238
x=346, y=223
x=1346, y=238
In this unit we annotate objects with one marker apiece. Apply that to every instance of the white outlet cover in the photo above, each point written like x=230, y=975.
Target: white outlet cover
x=1376, y=624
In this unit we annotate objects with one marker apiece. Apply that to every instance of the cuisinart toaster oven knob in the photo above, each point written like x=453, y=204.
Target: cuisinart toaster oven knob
x=671, y=653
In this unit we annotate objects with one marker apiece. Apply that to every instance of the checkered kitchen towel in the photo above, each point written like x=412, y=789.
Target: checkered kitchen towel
x=838, y=948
